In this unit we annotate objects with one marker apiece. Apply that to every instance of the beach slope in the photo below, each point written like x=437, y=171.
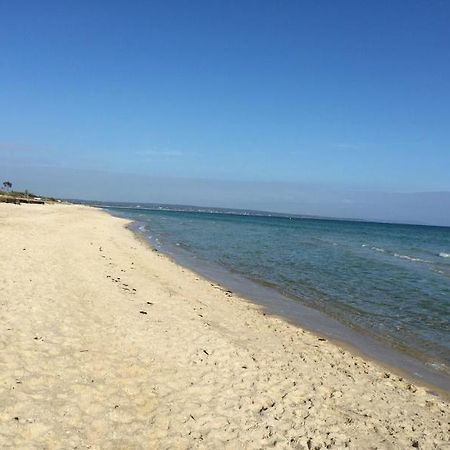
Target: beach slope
x=106, y=344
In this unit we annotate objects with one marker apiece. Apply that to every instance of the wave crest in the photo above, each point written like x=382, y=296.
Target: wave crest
x=410, y=258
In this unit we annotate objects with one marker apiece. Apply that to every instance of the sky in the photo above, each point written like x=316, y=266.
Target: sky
x=297, y=106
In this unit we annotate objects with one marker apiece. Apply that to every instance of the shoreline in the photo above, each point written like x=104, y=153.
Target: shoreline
x=305, y=317
x=111, y=345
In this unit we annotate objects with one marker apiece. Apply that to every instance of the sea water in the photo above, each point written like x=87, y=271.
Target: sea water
x=388, y=280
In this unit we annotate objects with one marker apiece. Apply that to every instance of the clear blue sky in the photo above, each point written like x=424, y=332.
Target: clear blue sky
x=343, y=93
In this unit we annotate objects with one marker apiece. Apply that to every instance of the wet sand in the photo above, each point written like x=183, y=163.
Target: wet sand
x=108, y=344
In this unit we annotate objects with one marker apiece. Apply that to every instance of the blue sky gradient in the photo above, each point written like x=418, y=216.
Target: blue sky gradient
x=346, y=95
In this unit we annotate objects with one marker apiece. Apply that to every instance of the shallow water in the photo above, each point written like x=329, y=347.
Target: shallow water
x=389, y=281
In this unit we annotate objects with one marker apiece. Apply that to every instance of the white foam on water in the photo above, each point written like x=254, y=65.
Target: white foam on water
x=438, y=365
x=378, y=249
x=410, y=258
x=444, y=255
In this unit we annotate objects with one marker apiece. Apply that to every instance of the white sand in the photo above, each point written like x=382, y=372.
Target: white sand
x=82, y=367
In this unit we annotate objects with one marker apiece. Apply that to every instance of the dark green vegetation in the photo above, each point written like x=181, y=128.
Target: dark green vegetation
x=7, y=195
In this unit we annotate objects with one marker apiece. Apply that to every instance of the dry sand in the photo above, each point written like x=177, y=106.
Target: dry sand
x=106, y=344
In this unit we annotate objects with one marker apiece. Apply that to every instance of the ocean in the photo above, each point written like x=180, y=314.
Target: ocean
x=387, y=281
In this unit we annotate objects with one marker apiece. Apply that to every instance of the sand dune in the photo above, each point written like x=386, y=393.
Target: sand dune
x=105, y=344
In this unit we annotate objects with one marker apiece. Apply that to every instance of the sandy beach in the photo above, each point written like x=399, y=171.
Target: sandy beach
x=106, y=344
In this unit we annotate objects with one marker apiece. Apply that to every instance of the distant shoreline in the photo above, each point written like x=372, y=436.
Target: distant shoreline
x=243, y=212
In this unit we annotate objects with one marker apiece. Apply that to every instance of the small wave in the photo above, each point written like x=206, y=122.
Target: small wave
x=410, y=258
x=377, y=249
x=444, y=255
x=438, y=366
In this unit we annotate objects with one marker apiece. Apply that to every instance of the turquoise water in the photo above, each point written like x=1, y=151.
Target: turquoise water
x=391, y=281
